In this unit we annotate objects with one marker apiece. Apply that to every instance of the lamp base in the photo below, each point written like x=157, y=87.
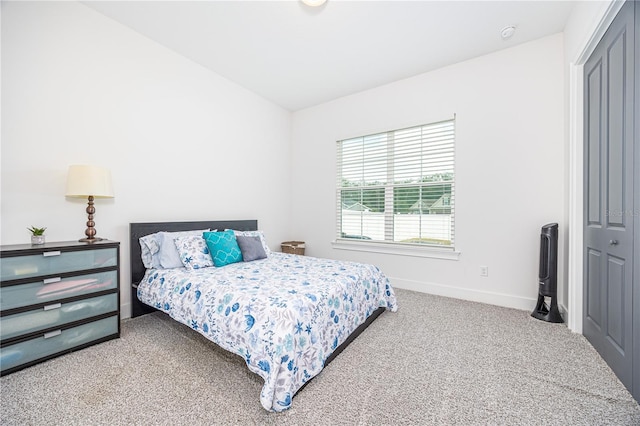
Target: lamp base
x=90, y=240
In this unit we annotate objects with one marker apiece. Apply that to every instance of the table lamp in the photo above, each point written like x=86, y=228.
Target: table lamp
x=89, y=182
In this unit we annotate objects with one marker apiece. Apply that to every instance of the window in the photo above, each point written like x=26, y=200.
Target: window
x=398, y=186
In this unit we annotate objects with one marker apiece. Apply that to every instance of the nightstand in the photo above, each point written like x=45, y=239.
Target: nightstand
x=56, y=298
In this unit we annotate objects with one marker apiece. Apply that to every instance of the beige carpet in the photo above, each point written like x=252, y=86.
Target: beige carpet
x=435, y=361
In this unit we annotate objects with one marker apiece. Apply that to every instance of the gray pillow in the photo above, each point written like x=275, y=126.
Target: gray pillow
x=251, y=248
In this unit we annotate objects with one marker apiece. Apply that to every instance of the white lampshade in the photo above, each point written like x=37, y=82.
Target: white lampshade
x=83, y=181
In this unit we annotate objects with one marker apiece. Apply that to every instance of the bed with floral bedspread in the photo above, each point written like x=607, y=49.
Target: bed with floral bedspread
x=284, y=314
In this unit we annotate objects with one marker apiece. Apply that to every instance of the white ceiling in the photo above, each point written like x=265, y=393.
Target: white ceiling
x=297, y=56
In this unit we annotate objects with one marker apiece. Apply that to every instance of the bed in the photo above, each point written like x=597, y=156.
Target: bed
x=288, y=316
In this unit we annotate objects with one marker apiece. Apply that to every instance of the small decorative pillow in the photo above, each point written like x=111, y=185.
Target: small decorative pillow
x=168, y=254
x=251, y=248
x=149, y=249
x=193, y=252
x=223, y=247
x=260, y=234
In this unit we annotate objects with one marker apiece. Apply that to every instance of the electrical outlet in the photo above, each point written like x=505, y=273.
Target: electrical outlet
x=484, y=271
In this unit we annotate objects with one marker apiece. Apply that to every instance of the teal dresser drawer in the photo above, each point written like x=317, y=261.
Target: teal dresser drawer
x=55, y=298
x=56, y=342
x=43, y=291
x=55, y=315
x=51, y=262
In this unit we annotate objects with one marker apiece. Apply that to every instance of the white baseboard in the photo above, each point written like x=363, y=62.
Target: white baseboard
x=125, y=310
x=491, y=298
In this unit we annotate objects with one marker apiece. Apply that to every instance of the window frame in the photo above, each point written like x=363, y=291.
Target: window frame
x=389, y=187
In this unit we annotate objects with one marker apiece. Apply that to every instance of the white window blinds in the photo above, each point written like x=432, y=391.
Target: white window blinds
x=398, y=186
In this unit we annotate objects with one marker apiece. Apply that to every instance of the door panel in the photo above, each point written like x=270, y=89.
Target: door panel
x=593, y=289
x=609, y=196
x=615, y=126
x=592, y=170
x=615, y=303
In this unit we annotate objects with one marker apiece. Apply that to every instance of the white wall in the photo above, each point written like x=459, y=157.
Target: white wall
x=80, y=88
x=182, y=142
x=510, y=158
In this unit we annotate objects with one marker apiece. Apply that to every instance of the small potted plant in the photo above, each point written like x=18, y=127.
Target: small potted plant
x=37, y=235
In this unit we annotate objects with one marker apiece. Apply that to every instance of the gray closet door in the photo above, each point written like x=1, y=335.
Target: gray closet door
x=636, y=215
x=609, y=196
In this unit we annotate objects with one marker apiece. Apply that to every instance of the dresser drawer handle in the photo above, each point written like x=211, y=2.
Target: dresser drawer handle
x=51, y=253
x=52, y=334
x=52, y=280
x=54, y=306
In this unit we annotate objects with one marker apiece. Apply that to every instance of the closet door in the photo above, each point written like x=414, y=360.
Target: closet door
x=636, y=240
x=609, y=196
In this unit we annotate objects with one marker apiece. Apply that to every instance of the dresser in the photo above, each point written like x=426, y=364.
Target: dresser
x=56, y=298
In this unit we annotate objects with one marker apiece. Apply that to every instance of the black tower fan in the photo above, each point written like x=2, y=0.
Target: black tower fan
x=548, y=275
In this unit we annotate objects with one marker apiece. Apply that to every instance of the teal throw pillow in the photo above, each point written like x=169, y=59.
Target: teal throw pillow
x=223, y=247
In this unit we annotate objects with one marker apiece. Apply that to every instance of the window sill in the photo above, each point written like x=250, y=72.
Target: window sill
x=397, y=249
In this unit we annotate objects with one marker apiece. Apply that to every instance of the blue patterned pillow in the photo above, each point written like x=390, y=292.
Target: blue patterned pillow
x=223, y=247
x=168, y=253
x=149, y=248
x=193, y=252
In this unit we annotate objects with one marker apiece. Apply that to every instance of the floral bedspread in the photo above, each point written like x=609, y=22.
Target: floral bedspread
x=284, y=314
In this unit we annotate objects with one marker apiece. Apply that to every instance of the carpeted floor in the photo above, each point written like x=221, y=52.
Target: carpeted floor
x=435, y=361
